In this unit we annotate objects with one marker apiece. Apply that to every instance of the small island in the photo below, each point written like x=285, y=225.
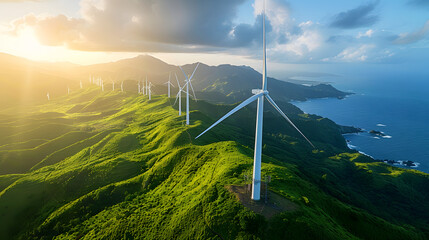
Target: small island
x=378, y=133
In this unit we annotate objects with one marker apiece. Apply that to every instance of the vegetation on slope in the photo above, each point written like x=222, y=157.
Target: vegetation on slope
x=121, y=166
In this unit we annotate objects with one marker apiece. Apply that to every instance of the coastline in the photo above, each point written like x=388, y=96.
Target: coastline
x=397, y=163
x=358, y=131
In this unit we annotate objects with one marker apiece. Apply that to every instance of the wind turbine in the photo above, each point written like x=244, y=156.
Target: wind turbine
x=146, y=87
x=138, y=87
x=122, y=86
x=48, y=96
x=81, y=86
x=149, y=91
x=259, y=94
x=68, y=90
x=113, y=86
x=102, y=85
x=179, y=95
x=168, y=84
x=188, y=83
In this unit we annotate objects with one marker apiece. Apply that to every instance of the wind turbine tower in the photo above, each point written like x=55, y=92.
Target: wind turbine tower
x=146, y=87
x=149, y=90
x=168, y=84
x=48, y=96
x=260, y=95
x=122, y=86
x=81, y=86
x=188, y=83
x=179, y=95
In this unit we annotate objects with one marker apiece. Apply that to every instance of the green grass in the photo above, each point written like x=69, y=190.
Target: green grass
x=123, y=167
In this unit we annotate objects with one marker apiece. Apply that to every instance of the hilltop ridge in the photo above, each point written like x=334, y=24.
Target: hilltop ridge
x=24, y=82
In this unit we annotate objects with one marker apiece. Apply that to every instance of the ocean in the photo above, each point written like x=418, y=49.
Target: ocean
x=393, y=102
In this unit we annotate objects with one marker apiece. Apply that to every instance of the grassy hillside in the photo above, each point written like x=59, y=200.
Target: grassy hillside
x=115, y=165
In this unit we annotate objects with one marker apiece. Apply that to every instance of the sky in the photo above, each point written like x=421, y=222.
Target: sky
x=304, y=34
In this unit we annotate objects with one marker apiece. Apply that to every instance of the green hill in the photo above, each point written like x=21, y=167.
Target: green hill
x=115, y=165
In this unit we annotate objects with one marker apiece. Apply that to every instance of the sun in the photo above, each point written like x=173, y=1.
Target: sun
x=29, y=46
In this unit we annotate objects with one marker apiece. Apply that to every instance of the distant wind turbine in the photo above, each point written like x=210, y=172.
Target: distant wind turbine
x=188, y=83
x=138, y=87
x=102, y=85
x=68, y=90
x=48, y=96
x=149, y=91
x=259, y=94
x=113, y=86
x=122, y=86
x=168, y=84
x=81, y=85
x=146, y=87
x=179, y=95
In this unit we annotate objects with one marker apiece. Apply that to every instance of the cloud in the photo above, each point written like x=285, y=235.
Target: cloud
x=356, y=18
x=408, y=38
x=352, y=54
x=149, y=26
x=368, y=34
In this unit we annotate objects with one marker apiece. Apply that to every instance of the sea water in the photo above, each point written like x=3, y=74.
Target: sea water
x=394, y=103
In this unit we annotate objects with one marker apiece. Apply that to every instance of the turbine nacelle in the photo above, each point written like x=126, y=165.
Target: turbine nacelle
x=258, y=91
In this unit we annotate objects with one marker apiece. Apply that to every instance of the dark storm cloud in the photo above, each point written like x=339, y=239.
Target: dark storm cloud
x=358, y=17
x=158, y=26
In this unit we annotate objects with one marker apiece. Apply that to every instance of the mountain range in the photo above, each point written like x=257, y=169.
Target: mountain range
x=24, y=81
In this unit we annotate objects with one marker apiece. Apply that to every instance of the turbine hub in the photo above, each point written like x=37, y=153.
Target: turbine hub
x=258, y=91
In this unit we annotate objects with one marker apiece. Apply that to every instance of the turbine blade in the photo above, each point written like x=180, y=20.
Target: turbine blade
x=177, y=79
x=270, y=100
x=192, y=88
x=186, y=77
x=264, y=73
x=194, y=71
x=240, y=106
x=177, y=97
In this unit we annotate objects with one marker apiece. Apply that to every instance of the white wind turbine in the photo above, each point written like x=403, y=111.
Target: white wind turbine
x=113, y=86
x=102, y=85
x=122, y=86
x=179, y=96
x=138, y=87
x=48, y=96
x=146, y=87
x=68, y=90
x=169, y=83
x=188, y=83
x=149, y=91
x=259, y=94
x=81, y=85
